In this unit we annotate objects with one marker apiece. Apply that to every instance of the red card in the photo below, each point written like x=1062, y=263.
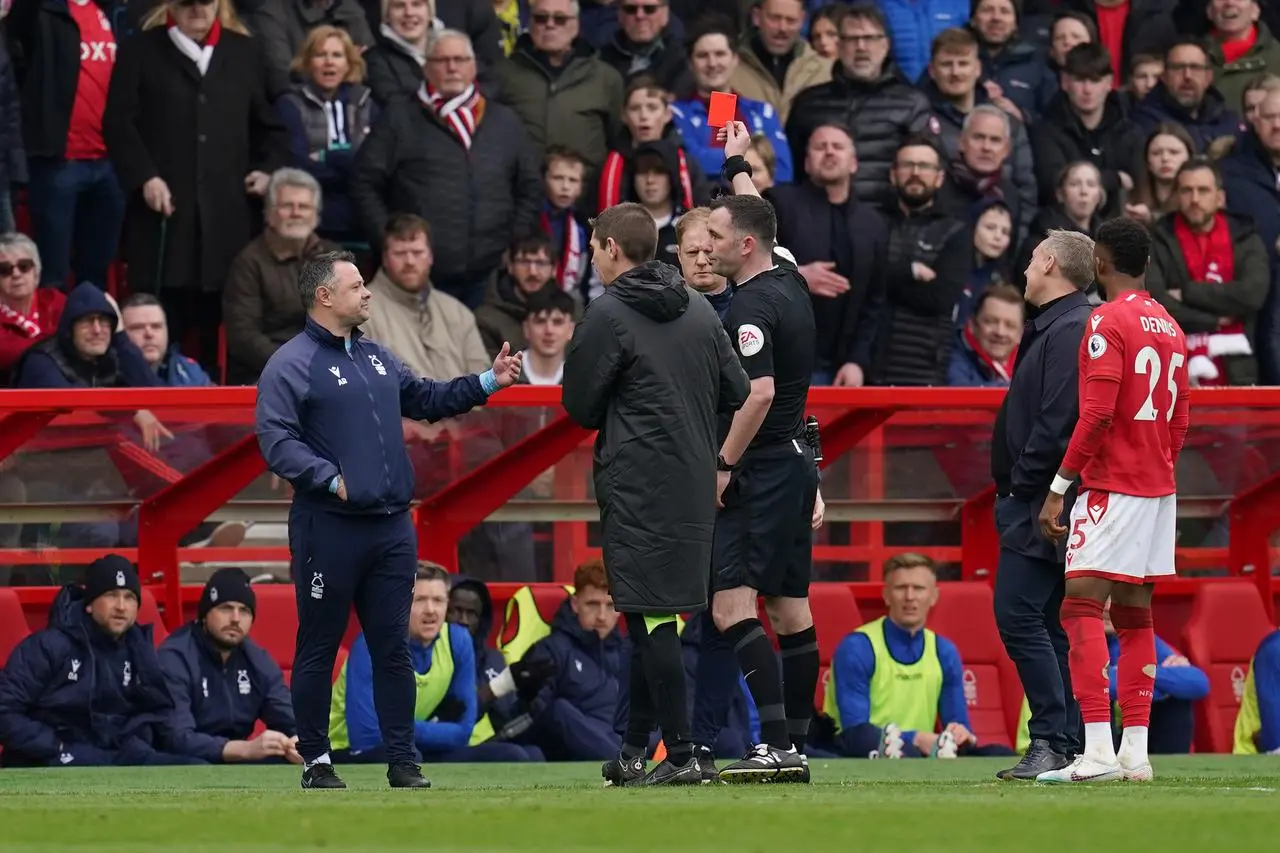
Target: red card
x=722, y=110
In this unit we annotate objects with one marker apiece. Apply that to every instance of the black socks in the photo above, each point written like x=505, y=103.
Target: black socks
x=656, y=647
x=800, y=666
x=760, y=666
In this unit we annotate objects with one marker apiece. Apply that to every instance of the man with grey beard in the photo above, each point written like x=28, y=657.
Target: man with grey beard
x=260, y=306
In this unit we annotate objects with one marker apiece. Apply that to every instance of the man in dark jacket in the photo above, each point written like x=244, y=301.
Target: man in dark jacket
x=528, y=272
x=927, y=263
x=561, y=89
x=458, y=160
x=839, y=242
x=976, y=179
x=954, y=86
x=867, y=92
x=88, y=689
x=1085, y=121
x=1027, y=445
x=1249, y=179
x=1015, y=67
x=87, y=352
x=70, y=180
x=222, y=682
x=647, y=43
x=500, y=690
x=1186, y=95
x=1212, y=273
x=650, y=367
x=574, y=712
x=337, y=439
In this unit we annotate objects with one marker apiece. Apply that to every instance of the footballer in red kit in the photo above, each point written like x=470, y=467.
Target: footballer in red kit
x=1121, y=534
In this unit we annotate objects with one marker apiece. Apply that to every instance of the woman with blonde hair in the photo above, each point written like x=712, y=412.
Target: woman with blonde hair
x=193, y=138
x=328, y=116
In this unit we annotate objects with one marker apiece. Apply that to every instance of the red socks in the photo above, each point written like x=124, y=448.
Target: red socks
x=1136, y=673
x=1090, y=662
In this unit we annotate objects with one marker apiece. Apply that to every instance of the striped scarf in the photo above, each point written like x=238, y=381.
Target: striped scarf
x=461, y=113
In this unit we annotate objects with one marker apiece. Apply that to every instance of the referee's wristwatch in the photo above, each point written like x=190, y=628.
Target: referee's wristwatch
x=721, y=465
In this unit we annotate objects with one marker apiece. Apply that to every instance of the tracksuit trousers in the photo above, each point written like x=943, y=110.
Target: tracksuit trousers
x=365, y=561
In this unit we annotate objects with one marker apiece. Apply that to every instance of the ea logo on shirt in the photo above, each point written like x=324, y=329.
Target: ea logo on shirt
x=750, y=339
x=1097, y=346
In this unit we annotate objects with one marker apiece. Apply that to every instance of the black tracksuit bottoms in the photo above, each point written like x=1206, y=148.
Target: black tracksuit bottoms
x=339, y=561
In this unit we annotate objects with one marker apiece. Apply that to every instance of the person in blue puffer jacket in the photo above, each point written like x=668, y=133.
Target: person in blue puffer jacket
x=713, y=58
x=914, y=24
x=88, y=690
x=574, y=712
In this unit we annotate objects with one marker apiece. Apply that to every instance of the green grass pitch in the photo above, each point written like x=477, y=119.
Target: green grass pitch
x=1195, y=804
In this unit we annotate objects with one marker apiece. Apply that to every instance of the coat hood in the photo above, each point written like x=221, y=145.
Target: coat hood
x=84, y=301
x=486, y=605
x=655, y=289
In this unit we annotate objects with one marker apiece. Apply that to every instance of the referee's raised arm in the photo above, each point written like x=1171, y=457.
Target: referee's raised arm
x=328, y=420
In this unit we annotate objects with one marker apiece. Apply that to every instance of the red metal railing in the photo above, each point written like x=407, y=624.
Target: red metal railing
x=1235, y=439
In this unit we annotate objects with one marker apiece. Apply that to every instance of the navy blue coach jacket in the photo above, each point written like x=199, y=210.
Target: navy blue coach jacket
x=323, y=410
x=1037, y=417
x=216, y=701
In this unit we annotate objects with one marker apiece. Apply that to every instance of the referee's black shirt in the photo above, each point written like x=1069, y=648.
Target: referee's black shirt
x=771, y=324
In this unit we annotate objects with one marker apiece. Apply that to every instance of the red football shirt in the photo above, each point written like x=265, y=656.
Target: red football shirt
x=1135, y=343
x=1111, y=21
x=97, y=58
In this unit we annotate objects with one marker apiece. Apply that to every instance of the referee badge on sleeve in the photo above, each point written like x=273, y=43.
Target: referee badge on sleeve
x=1097, y=345
x=750, y=340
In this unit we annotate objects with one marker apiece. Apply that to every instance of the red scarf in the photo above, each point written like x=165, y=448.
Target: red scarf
x=615, y=173
x=569, y=267
x=461, y=113
x=211, y=40
x=1210, y=258
x=28, y=324
x=1001, y=369
x=1233, y=51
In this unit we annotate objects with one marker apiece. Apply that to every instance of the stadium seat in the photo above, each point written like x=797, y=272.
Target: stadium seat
x=275, y=624
x=965, y=616
x=1227, y=623
x=149, y=614
x=13, y=623
x=835, y=615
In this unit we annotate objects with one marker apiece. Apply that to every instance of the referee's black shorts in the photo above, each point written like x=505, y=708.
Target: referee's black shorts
x=763, y=536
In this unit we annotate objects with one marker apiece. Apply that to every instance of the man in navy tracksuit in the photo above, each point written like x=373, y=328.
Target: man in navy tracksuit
x=328, y=421
x=87, y=690
x=575, y=712
x=222, y=682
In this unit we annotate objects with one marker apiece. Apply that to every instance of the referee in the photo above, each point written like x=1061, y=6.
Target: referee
x=767, y=484
x=328, y=421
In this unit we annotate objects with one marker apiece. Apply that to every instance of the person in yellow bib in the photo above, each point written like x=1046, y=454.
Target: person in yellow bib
x=1258, y=723
x=444, y=708
x=502, y=691
x=893, y=680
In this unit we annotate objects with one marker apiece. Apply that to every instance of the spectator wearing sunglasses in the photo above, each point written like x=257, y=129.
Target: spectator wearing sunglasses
x=561, y=89
x=647, y=43
x=28, y=313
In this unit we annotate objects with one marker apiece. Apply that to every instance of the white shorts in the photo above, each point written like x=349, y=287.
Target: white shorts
x=1122, y=537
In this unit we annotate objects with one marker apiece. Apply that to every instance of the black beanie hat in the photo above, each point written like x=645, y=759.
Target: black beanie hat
x=227, y=585
x=110, y=572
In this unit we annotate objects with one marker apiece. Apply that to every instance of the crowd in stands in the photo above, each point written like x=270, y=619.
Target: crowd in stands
x=915, y=153
x=96, y=687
